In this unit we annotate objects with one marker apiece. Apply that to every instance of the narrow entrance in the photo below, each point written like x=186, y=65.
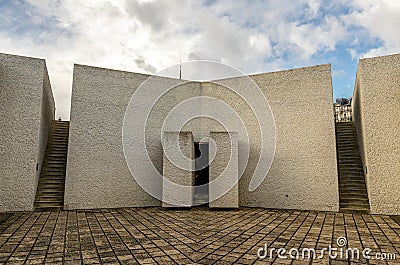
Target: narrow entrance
x=200, y=196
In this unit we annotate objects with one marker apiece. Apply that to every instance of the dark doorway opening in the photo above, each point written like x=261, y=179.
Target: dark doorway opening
x=201, y=178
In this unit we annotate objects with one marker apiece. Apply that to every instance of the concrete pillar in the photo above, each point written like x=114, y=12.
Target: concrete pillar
x=176, y=174
x=225, y=168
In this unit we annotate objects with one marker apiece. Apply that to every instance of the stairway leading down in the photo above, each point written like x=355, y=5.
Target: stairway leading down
x=50, y=190
x=352, y=188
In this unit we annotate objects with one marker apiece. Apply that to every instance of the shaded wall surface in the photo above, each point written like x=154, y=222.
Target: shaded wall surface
x=303, y=172
x=97, y=172
x=26, y=111
x=376, y=107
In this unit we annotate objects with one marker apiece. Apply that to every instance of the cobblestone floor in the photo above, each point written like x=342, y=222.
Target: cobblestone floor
x=197, y=236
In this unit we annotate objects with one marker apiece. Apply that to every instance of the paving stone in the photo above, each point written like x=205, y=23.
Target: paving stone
x=197, y=236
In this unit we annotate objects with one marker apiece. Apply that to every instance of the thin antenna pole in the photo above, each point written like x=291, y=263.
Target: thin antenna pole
x=180, y=69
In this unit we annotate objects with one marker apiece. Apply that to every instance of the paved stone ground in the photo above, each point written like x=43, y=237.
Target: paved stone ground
x=197, y=236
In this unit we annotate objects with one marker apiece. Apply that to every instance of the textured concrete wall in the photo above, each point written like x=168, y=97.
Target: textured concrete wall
x=97, y=172
x=376, y=115
x=304, y=169
x=224, y=167
x=47, y=110
x=26, y=105
x=175, y=174
x=97, y=175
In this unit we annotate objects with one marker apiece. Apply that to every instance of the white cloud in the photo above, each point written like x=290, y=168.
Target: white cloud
x=147, y=36
x=381, y=20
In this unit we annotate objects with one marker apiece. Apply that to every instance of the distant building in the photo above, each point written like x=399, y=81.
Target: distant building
x=342, y=109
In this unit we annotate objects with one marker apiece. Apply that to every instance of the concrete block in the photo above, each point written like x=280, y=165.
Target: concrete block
x=224, y=191
x=175, y=173
x=26, y=111
x=376, y=108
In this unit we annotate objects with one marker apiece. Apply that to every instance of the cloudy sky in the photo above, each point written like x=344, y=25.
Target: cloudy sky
x=147, y=36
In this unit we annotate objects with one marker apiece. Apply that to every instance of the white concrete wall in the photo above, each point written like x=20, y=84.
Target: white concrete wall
x=304, y=169
x=302, y=174
x=97, y=172
x=173, y=174
x=376, y=107
x=47, y=111
x=224, y=171
x=26, y=108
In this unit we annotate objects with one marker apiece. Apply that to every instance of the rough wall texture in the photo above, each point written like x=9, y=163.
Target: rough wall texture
x=176, y=174
x=26, y=106
x=304, y=169
x=302, y=174
x=97, y=173
x=376, y=106
x=47, y=110
x=225, y=168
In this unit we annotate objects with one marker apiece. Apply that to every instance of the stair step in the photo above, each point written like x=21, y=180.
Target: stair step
x=347, y=167
x=49, y=199
x=349, y=194
x=53, y=175
x=50, y=186
x=48, y=203
x=350, y=165
x=352, y=185
x=354, y=200
x=55, y=161
x=56, y=153
x=348, y=147
x=349, y=151
x=358, y=206
x=58, y=149
x=51, y=192
x=61, y=136
x=354, y=210
x=53, y=172
x=56, y=157
x=357, y=191
x=47, y=179
x=351, y=176
x=55, y=192
x=51, y=182
x=54, y=165
x=355, y=196
x=48, y=207
x=59, y=133
x=58, y=141
x=348, y=172
x=354, y=190
x=351, y=180
x=349, y=160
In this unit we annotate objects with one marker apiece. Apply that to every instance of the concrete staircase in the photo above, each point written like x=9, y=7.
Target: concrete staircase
x=50, y=190
x=352, y=188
